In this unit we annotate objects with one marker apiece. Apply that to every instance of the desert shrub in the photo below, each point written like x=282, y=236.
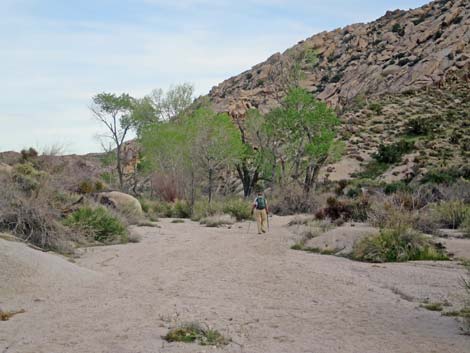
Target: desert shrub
x=203, y=209
x=166, y=187
x=460, y=190
x=372, y=170
x=27, y=177
x=163, y=209
x=446, y=175
x=86, y=187
x=28, y=154
x=389, y=215
x=99, y=223
x=419, y=126
x=451, y=214
x=341, y=185
x=344, y=209
x=397, y=245
x=392, y=153
x=194, y=332
x=149, y=207
x=291, y=200
x=218, y=220
x=299, y=220
x=396, y=186
x=335, y=209
x=32, y=219
x=359, y=209
x=353, y=192
x=181, y=209
x=238, y=208
x=89, y=186
x=376, y=107
x=425, y=222
x=397, y=28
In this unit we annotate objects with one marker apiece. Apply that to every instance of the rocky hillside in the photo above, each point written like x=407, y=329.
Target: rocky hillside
x=405, y=68
x=402, y=51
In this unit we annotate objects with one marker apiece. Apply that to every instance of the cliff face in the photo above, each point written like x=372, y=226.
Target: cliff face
x=400, y=52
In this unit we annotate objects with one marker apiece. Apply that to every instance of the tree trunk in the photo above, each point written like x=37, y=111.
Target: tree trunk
x=248, y=180
x=210, y=185
x=119, y=167
x=192, y=190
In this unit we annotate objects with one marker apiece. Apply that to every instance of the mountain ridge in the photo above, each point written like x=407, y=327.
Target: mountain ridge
x=400, y=51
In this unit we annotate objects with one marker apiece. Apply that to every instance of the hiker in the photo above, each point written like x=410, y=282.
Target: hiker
x=260, y=210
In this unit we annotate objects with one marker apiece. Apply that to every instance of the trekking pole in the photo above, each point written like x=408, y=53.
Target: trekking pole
x=249, y=225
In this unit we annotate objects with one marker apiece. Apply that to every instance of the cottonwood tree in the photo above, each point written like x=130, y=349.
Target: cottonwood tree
x=162, y=106
x=294, y=140
x=194, y=149
x=309, y=127
x=215, y=144
x=114, y=112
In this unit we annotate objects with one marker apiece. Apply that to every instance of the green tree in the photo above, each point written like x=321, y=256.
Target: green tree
x=295, y=140
x=115, y=113
x=309, y=126
x=162, y=106
x=194, y=149
x=215, y=144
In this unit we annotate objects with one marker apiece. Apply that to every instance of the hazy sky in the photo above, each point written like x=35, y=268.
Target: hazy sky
x=56, y=54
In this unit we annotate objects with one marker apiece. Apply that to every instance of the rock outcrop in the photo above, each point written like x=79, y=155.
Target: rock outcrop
x=401, y=51
x=125, y=203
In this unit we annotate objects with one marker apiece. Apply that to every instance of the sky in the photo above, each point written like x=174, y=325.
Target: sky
x=55, y=55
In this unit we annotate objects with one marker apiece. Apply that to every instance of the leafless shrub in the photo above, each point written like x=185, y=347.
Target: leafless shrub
x=291, y=200
x=166, y=187
x=460, y=190
x=32, y=219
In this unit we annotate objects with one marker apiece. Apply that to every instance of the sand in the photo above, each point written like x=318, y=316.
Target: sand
x=254, y=289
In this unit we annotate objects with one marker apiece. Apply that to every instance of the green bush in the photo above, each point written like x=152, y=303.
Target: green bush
x=419, y=126
x=181, y=209
x=396, y=186
x=194, y=332
x=86, y=187
x=28, y=154
x=446, y=176
x=89, y=186
x=27, y=177
x=376, y=107
x=240, y=209
x=397, y=28
x=163, y=209
x=98, y=223
x=202, y=209
x=451, y=214
x=372, y=170
x=392, y=153
x=397, y=245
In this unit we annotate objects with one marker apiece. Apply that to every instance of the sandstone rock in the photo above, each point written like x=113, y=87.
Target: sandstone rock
x=125, y=203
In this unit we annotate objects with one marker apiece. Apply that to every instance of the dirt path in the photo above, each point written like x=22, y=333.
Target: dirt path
x=266, y=297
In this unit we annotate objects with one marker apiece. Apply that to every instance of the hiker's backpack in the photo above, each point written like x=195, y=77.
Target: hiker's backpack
x=260, y=203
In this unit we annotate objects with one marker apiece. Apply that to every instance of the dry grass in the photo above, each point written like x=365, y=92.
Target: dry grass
x=218, y=220
x=7, y=315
